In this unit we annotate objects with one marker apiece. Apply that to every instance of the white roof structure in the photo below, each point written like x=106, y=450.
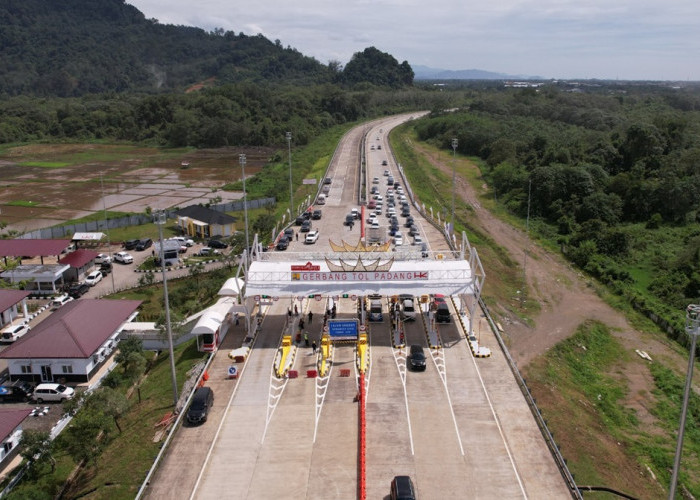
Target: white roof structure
x=88, y=236
x=284, y=279
x=213, y=317
x=232, y=287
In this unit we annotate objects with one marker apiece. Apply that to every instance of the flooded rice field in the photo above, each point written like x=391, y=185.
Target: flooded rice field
x=45, y=185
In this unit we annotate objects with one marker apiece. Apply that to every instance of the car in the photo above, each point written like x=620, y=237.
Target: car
x=93, y=278
x=105, y=268
x=416, y=359
x=372, y=204
x=349, y=220
x=77, y=290
x=375, y=308
x=130, y=244
x=52, y=392
x=442, y=313
x=408, y=308
x=398, y=239
x=413, y=230
x=60, y=301
x=144, y=244
x=289, y=232
x=374, y=224
x=217, y=244
x=283, y=243
x=379, y=146
x=327, y=180
x=316, y=215
x=13, y=332
x=390, y=212
x=306, y=226
x=188, y=242
x=17, y=391
x=206, y=251
x=386, y=172
x=409, y=221
x=372, y=147
x=417, y=239
x=202, y=401
x=424, y=250
x=299, y=220
x=103, y=258
x=355, y=213
x=375, y=180
x=384, y=164
x=402, y=488
x=123, y=258
x=326, y=188
x=390, y=181
x=311, y=237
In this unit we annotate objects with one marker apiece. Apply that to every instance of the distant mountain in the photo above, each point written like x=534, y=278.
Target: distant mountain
x=426, y=73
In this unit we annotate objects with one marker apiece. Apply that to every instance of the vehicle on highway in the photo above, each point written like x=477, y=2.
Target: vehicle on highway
x=52, y=392
x=413, y=230
x=283, y=243
x=306, y=226
x=102, y=258
x=379, y=146
x=375, y=180
x=355, y=212
x=416, y=359
x=409, y=221
x=17, y=391
x=205, y=251
x=417, y=239
x=375, y=308
x=123, y=258
x=402, y=488
x=61, y=300
x=144, y=244
x=390, y=181
x=77, y=290
x=390, y=212
x=299, y=220
x=326, y=188
x=93, y=278
x=442, y=313
x=289, y=232
x=424, y=250
x=217, y=244
x=130, y=244
x=372, y=204
x=408, y=308
x=327, y=180
x=311, y=237
x=398, y=239
x=386, y=173
x=321, y=199
x=202, y=401
x=349, y=220
x=13, y=332
x=374, y=224
x=316, y=215
x=384, y=164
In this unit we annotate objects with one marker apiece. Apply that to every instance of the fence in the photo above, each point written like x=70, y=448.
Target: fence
x=58, y=232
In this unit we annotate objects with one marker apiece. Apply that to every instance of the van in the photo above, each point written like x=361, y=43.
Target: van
x=202, y=401
x=402, y=488
x=321, y=199
x=52, y=392
x=408, y=310
x=375, y=309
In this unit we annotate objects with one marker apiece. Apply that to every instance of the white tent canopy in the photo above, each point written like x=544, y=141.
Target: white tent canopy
x=232, y=287
x=88, y=236
x=285, y=279
x=213, y=317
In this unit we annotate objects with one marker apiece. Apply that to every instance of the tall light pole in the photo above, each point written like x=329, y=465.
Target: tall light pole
x=109, y=243
x=291, y=195
x=160, y=219
x=241, y=160
x=454, y=179
x=692, y=328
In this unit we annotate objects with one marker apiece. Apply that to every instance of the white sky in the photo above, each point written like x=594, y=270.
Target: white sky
x=625, y=39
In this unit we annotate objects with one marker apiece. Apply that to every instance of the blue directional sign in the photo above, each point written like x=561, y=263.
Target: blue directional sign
x=343, y=329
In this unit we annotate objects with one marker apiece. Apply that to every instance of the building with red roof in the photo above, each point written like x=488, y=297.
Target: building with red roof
x=11, y=432
x=72, y=343
x=81, y=263
x=9, y=300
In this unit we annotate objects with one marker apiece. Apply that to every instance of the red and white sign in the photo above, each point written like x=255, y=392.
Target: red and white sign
x=275, y=298
x=318, y=297
x=361, y=276
x=306, y=267
x=257, y=297
x=353, y=297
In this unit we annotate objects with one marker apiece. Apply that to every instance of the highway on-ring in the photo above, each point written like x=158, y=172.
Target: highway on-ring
x=460, y=429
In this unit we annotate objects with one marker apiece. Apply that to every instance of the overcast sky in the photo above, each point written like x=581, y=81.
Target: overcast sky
x=625, y=39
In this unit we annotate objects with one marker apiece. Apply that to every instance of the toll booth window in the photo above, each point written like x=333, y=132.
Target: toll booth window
x=208, y=338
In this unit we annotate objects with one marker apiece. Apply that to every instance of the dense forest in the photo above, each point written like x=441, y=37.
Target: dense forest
x=612, y=174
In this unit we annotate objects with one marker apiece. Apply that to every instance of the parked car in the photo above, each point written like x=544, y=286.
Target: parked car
x=188, y=242
x=204, y=251
x=93, y=278
x=123, y=257
x=52, y=392
x=77, y=290
x=13, y=332
x=61, y=300
x=299, y=220
x=144, y=244
x=105, y=268
x=103, y=258
x=416, y=359
x=355, y=213
x=130, y=244
x=202, y=401
x=17, y=391
x=417, y=239
x=311, y=237
x=402, y=488
x=289, y=232
x=283, y=243
x=349, y=220
x=306, y=226
x=217, y=244
x=316, y=215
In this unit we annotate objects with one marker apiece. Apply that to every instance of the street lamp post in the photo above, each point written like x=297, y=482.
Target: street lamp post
x=109, y=242
x=291, y=195
x=241, y=159
x=454, y=179
x=160, y=219
x=692, y=328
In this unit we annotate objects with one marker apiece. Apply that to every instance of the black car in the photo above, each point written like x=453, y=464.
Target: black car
x=19, y=390
x=217, y=244
x=202, y=401
x=327, y=180
x=289, y=233
x=283, y=243
x=424, y=250
x=299, y=220
x=306, y=226
x=409, y=221
x=144, y=244
x=402, y=488
x=105, y=268
x=316, y=215
x=442, y=313
x=416, y=358
x=349, y=220
x=77, y=290
x=130, y=244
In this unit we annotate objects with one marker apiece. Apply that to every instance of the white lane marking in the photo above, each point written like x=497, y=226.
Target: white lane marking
x=438, y=358
x=400, y=359
x=321, y=390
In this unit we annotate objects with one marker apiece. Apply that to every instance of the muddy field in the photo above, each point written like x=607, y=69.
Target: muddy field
x=45, y=185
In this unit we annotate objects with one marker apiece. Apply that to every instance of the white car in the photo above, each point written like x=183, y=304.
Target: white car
x=52, y=392
x=123, y=257
x=208, y=251
x=93, y=278
x=12, y=333
x=417, y=240
x=374, y=223
x=61, y=300
x=103, y=258
x=375, y=180
x=386, y=173
x=398, y=239
x=311, y=237
x=183, y=241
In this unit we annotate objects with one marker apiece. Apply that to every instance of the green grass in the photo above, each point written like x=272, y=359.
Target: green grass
x=22, y=203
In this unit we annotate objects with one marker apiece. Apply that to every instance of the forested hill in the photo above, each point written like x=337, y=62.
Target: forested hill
x=70, y=48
